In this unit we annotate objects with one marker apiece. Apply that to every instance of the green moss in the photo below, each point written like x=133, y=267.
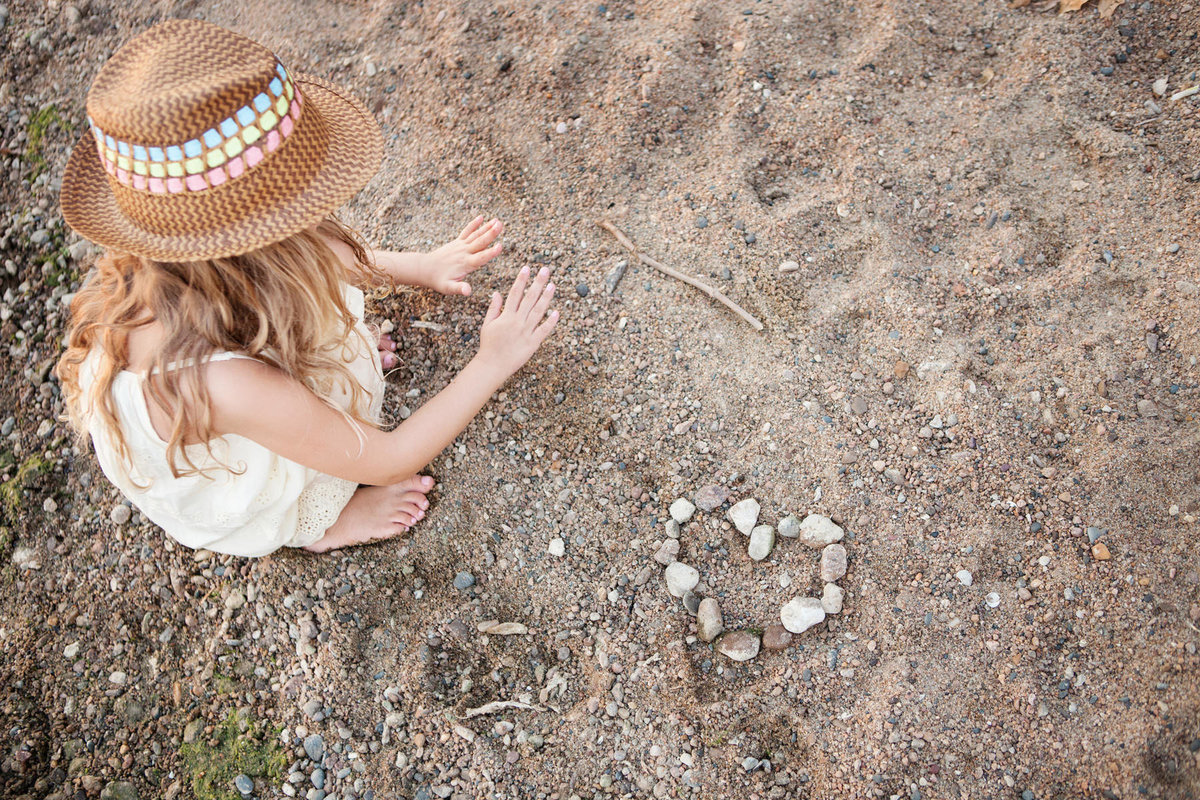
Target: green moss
x=10, y=490
x=242, y=748
x=35, y=136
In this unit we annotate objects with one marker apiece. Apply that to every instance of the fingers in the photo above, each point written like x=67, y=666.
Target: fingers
x=543, y=303
x=534, y=294
x=471, y=228
x=458, y=287
x=483, y=235
x=518, y=290
x=494, y=307
x=542, y=331
x=477, y=260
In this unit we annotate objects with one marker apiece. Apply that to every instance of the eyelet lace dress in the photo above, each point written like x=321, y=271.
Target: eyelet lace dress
x=265, y=502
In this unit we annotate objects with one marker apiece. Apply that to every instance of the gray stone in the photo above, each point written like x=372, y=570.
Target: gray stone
x=708, y=620
x=613, y=278
x=789, y=527
x=833, y=562
x=680, y=578
x=244, y=784
x=464, y=581
x=667, y=551
x=762, y=542
x=802, y=613
x=682, y=510
x=831, y=599
x=120, y=514
x=314, y=747
x=119, y=790
x=817, y=531
x=744, y=515
x=691, y=602
x=738, y=645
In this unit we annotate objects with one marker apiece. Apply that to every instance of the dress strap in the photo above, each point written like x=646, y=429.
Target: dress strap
x=191, y=362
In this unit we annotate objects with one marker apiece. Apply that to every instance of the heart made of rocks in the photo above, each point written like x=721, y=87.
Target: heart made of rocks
x=797, y=615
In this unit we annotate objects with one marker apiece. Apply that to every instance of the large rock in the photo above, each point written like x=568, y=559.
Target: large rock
x=817, y=531
x=744, y=515
x=831, y=599
x=802, y=613
x=708, y=620
x=762, y=542
x=833, y=562
x=738, y=645
x=681, y=578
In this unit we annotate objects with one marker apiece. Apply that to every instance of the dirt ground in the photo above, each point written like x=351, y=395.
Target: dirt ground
x=981, y=357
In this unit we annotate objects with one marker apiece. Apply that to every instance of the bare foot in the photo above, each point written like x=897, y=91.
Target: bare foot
x=377, y=512
x=387, y=351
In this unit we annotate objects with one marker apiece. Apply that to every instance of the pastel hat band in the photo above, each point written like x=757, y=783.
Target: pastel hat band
x=224, y=152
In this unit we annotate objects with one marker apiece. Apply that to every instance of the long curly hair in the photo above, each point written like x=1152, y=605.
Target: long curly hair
x=282, y=304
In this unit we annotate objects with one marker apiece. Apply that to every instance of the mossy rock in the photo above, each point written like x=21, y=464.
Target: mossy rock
x=241, y=747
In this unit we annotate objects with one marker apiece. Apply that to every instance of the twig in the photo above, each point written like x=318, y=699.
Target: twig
x=499, y=705
x=674, y=273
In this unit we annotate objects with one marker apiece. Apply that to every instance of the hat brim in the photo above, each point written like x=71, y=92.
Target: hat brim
x=355, y=149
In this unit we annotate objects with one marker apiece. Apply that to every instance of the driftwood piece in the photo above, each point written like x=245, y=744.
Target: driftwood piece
x=674, y=273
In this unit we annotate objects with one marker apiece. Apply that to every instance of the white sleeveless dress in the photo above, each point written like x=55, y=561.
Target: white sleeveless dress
x=268, y=502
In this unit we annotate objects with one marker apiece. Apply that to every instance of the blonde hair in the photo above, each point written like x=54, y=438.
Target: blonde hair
x=282, y=304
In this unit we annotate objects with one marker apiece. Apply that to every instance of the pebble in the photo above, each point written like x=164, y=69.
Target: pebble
x=560, y=127
x=314, y=747
x=858, y=406
x=26, y=558
x=120, y=514
x=667, y=552
x=582, y=290
x=680, y=578
x=762, y=542
x=119, y=790
x=789, y=266
x=789, y=527
x=738, y=645
x=744, y=515
x=613, y=278
x=557, y=547
x=71, y=650
x=701, y=222
x=464, y=581
x=244, y=784
x=1094, y=534
x=817, y=531
x=1159, y=87
x=964, y=577
x=682, y=510
x=801, y=613
x=1147, y=408
x=992, y=600
x=776, y=637
x=709, y=623
x=235, y=600
x=1100, y=552
x=833, y=562
x=831, y=598
x=119, y=678
x=711, y=497
x=691, y=602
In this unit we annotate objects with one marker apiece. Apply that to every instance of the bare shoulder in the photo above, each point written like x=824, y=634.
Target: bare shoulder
x=242, y=389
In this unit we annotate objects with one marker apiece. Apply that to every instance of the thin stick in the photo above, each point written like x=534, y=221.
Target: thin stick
x=674, y=273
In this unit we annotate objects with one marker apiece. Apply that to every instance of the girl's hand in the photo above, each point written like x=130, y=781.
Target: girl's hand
x=453, y=261
x=514, y=328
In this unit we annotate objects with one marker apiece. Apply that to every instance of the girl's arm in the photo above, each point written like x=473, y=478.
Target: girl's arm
x=443, y=269
x=259, y=402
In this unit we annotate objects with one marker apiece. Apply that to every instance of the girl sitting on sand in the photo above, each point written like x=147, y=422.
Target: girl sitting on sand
x=218, y=357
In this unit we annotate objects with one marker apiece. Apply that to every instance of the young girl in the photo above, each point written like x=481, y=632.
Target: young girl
x=218, y=356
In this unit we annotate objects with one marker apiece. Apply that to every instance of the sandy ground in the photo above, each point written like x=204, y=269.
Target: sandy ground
x=982, y=357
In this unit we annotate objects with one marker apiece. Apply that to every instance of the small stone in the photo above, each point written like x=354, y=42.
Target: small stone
x=582, y=290
x=832, y=597
x=818, y=530
x=738, y=645
x=314, y=747
x=1100, y=552
x=1147, y=408
x=119, y=790
x=1094, y=534
x=762, y=541
x=667, y=551
x=894, y=475
x=801, y=613
x=71, y=650
x=789, y=527
x=709, y=623
x=119, y=678
x=901, y=370
x=560, y=127
x=789, y=266
x=682, y=510
x=1159, y=87
x=992, y=600
x=691, y=602
x=244, y=784
x=833, y=562
x=464, y=581
x=964, y=577
x=613, y=278
x=711, y=497
x=557, y=547
x=858, y=406
x=680, y=578
x=120, y=514
x=776, y=637
x=26, y=558
x=750, y=763
x=313, y=709
x=235, y=600
x=701, y=222
x=744, y=515
x=672, y=529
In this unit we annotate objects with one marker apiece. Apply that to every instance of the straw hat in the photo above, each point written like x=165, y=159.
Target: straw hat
x=202, y=145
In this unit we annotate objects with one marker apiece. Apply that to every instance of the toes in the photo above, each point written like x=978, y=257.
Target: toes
x=388, y=360
x=418, y=499
x=411, y=509
x=417, y=483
